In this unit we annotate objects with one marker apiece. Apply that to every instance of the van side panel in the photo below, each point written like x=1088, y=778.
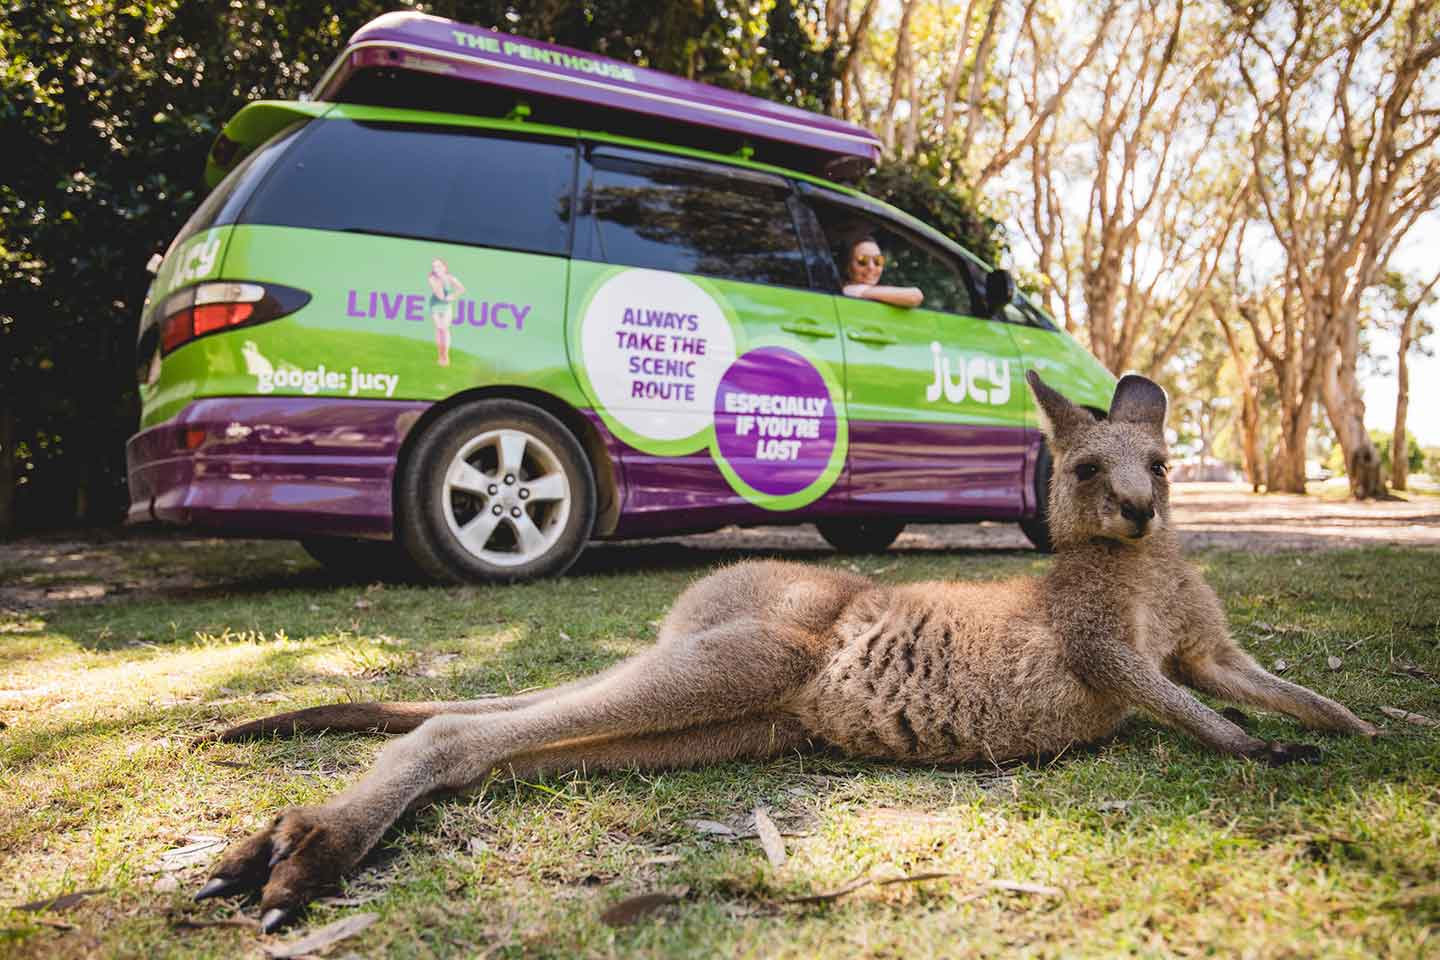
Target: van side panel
x=373, y=327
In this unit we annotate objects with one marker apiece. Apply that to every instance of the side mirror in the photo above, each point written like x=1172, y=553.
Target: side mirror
x=999, y=290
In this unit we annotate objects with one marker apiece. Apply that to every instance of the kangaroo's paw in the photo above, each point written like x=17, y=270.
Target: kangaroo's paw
x=304, y=851
x=1278, y=754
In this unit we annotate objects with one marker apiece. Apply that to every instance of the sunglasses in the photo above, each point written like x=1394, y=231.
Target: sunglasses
x=866, y=261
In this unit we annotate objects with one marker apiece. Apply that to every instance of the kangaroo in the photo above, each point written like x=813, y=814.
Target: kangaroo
x=765, y=657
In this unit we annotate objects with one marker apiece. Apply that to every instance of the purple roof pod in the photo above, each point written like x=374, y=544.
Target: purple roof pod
x=423, y=44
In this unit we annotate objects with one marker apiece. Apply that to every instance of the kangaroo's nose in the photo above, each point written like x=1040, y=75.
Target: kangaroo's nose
x=1140, y=514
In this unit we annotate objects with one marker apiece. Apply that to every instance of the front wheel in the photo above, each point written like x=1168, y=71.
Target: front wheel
x=1037, y=528
x=496, y=490
x=859, y=536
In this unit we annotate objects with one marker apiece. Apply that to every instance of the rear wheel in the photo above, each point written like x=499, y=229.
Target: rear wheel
x=1037, y=528
x=859, y=536
x=496, y=490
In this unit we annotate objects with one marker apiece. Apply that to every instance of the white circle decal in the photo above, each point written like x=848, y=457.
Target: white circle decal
x=655, y=346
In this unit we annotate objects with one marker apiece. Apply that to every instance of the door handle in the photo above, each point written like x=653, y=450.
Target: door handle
x=807, y=328
x=870, y=335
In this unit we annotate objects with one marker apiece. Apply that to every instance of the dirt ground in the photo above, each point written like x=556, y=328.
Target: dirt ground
x=45, y=572
x=55, y=570
x=1219, y=516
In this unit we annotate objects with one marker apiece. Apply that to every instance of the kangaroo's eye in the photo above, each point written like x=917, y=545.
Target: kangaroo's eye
x=1160, y=468
x=1084, y=471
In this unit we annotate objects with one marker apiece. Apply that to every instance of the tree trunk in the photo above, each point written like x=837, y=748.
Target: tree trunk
x=1345, y=406
x=1287, y=467
x=7, y=470
x=1399, y=443
x=1249, y=406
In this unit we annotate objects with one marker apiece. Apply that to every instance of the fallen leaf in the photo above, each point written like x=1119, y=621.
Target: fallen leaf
x=861, y=882
x=1281, y=666
x=1012, y=886
x=712, y=827
x=1333, y=662
x=349, y=901
x=1419, y=719
x=1113, y=805
x=770, y=840
x=201, y=849
x=196, y=923
x=63, y=902
x=633, y=909
x=323, y=939
x=566, y=637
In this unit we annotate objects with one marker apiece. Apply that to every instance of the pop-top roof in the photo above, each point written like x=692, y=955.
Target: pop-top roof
x=398, y=47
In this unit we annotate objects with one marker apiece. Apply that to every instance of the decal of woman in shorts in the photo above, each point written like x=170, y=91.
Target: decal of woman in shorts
x=445, y=289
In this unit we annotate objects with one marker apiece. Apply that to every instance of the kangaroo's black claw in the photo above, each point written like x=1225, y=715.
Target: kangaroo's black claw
x=217, y=887
x=1277, y=754
x=274, y=919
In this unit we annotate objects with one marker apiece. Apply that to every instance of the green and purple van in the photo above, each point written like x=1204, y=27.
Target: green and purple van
x=479, y=300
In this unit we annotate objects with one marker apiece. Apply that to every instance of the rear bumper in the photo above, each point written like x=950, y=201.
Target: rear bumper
x=286, y=466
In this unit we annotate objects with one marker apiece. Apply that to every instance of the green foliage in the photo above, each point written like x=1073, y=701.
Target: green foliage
x=106, y=113
x=1432, y=463
x=920, y=192
x=1383, y=440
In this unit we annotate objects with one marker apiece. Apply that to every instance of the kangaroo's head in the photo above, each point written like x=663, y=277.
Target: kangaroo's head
x=1110, y=478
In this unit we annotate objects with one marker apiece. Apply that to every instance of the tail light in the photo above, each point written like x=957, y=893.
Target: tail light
x=223, y=305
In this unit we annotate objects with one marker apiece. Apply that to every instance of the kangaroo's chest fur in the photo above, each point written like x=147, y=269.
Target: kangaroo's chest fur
x=959, y=672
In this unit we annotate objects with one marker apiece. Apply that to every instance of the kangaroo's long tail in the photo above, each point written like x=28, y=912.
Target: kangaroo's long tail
x=372, y=717
x=340, y=718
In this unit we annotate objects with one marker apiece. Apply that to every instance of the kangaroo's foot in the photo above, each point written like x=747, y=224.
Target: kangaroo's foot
x=304, y=851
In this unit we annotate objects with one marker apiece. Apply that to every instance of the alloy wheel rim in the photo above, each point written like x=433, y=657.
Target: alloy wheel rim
x=506, y=497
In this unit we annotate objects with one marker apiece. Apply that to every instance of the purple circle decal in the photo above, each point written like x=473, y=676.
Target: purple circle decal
x=775, y=421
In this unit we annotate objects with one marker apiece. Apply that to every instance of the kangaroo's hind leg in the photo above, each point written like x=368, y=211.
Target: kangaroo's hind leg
x=723, y=674
x=1229, y=673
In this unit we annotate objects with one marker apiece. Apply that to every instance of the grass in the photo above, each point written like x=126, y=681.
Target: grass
x=1157, y=846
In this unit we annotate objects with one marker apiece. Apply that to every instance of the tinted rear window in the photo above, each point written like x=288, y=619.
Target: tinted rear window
x=225, y=201
x=691, y=220
x=456, y=186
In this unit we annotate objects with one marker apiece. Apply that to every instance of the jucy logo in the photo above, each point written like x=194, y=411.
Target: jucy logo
x=965, y=383
x=376, y=304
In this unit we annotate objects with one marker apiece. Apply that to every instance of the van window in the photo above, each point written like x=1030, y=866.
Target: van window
x=225, y=202
x=433, y=183
x=689, y=218
x=910, y=260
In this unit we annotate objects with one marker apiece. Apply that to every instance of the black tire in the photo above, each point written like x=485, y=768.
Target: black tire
x=1037, y=528
x=465, y=518
x=367, y=560
x=860, y=536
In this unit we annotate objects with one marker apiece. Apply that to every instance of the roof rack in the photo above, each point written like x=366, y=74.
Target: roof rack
x=417, y=60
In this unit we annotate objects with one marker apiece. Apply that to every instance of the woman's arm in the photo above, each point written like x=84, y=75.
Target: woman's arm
x=459, y=287
x=895, y=296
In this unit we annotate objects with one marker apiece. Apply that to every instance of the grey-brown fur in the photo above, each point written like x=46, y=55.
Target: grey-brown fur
x=766, y=657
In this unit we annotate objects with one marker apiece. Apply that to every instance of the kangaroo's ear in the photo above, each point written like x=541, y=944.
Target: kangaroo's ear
x=1059, y=418
x=1139, y=401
